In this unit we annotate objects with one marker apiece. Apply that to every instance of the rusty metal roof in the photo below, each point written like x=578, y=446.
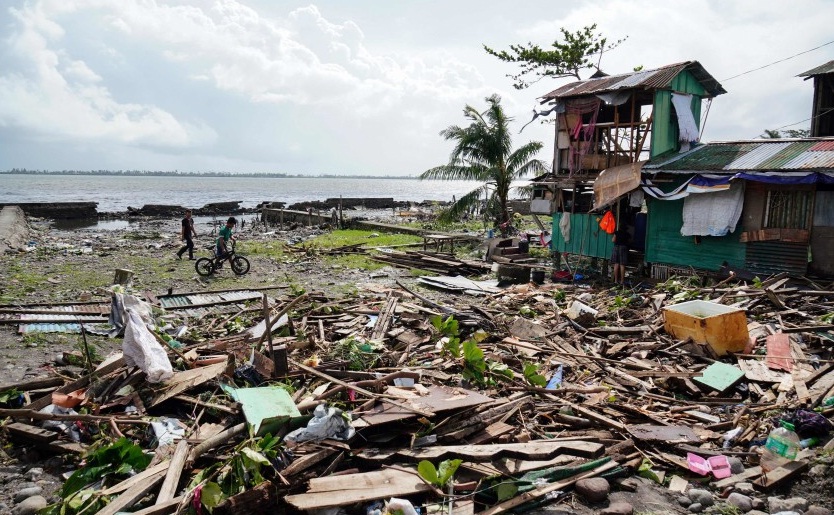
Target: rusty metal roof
x=644, y=79
x=819, y=70
x=809, y=155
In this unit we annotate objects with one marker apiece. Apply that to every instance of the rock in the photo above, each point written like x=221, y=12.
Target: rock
x=594, y=489
x=787, y=513
x=744, y=488
x=30, y=506
x=618, y=508
x=759, y=504
x=736, y=465
x=757, y=512
x=818, y=470
x=25, y=493
x=702, y=497
x=798, y=504
x=696, y=507
x=684, y=501
x=740, y=501
x=27, y=484
x=34, y=473
x=817, y=510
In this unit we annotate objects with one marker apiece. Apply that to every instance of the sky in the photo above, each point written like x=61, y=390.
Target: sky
x=353, y=86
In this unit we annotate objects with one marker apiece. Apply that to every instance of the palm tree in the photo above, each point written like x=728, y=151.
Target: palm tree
x=483, y=152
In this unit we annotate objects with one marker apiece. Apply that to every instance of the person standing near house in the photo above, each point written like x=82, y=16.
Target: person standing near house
x=186, y=233
x=619, y=257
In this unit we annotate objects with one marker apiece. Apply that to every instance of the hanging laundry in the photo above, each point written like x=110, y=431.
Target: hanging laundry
x=564, y=226
x=713, y=214
x=635, y=198
x=687, y=127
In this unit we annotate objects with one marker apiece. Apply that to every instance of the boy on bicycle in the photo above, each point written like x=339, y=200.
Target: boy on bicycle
x=225, y=235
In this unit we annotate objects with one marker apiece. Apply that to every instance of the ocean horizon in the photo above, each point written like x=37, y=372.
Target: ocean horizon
x=115, y=193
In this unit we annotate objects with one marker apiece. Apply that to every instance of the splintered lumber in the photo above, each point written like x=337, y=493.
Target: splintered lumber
x=342, y=490
x=254, y=501
x=534, y=450
x=779, y=475
x=669, y=434
x=172, y=476
x=386, y=315
x=132, y=481
x=186, y=380
x=161, y=509
x=132, y=494
x=34, y=384
x=749, y=473
x=357, y=389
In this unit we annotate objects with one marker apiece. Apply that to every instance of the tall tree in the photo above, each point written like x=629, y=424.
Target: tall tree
x=483, y=152
x=567, y=58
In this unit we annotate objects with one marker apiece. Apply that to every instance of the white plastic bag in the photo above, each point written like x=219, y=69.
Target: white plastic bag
x=141, y=349
x=326, y=423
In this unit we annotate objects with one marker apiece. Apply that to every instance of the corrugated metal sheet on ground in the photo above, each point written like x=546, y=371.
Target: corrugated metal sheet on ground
x=208, y=298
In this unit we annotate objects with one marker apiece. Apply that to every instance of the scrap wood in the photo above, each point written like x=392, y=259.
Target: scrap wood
x=130, y=496
x=533, y=450
x=24, y=413
x=380, y=397
x=172, y=475
x=342, y=490
x=780, y=475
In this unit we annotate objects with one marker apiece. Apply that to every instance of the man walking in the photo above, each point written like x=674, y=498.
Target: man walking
x=186, y=234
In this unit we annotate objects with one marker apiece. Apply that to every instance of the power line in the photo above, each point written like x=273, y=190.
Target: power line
x=777, y=62
x=805, y=120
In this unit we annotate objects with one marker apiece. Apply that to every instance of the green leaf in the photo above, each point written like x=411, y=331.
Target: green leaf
x=427, y=471
x=211, y=496
x=506, y=491
x=532, y=376
x=472, y=353
x=447, y=469
x=254, y=455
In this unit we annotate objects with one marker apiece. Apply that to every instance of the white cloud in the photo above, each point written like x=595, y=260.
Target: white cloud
x=358, y=87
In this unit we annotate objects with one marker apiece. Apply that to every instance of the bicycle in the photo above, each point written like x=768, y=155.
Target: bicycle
x=207, y=266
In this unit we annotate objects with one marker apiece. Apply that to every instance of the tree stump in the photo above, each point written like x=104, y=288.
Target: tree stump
x=123, y=276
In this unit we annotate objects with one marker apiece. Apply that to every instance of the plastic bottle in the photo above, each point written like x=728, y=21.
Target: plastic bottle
x=781, y=447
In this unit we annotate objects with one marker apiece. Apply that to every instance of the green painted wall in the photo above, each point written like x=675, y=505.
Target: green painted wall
x=586, y=238
x=664, y=243
x=665, y=124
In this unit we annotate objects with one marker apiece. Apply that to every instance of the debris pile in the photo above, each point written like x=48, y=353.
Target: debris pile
x=390, y=402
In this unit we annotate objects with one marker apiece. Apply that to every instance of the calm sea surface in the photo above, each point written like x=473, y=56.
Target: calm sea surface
x=116, y=193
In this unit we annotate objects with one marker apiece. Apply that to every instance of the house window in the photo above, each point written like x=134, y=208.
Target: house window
x=789, y=209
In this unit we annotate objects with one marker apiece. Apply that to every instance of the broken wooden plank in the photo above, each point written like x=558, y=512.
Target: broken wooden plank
x=779, y=352
x=780, y=475
x=186, y=380
x=130, y=496
x=342, y=490
x=533, y=450
x=749, y=473
x=172, y=475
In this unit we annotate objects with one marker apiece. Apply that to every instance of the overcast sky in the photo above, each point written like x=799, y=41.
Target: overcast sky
x=351, y=86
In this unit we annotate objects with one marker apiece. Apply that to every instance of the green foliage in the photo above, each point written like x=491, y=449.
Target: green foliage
x=757, y=283
x=559, y=295
x=483, y=152
x=441, y=475
x=360, y=354
x=474, y=362
x=116, y=461
x=9, y=397
x=527, y=311
x=121, y=458
x=645, y=470
x=532, y=376
x=448, y=327
x=250, y=461
x=566, y=59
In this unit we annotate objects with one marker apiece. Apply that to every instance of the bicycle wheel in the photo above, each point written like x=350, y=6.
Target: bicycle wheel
x=240, y=265
x=204, y=266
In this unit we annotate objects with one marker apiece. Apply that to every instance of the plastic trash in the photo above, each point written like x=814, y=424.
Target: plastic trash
x=730, y=436
x=780, y=448
x=141, y=349
x=167, y=431
x=401, y=506
x=326, y=423
x=556, y=379
x=64, y=426
x=719, y=466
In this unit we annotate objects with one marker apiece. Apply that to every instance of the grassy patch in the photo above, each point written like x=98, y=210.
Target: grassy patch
x=347, y=237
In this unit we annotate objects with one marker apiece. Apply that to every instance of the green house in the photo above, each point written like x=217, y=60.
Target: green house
x=606, y=127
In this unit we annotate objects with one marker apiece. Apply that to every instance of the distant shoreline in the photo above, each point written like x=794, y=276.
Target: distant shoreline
x=269, y=175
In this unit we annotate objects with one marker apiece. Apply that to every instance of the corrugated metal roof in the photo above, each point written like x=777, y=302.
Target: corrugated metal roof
x=208, y=298
x=819, y=70
x=815, y=155
x=644, y=79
